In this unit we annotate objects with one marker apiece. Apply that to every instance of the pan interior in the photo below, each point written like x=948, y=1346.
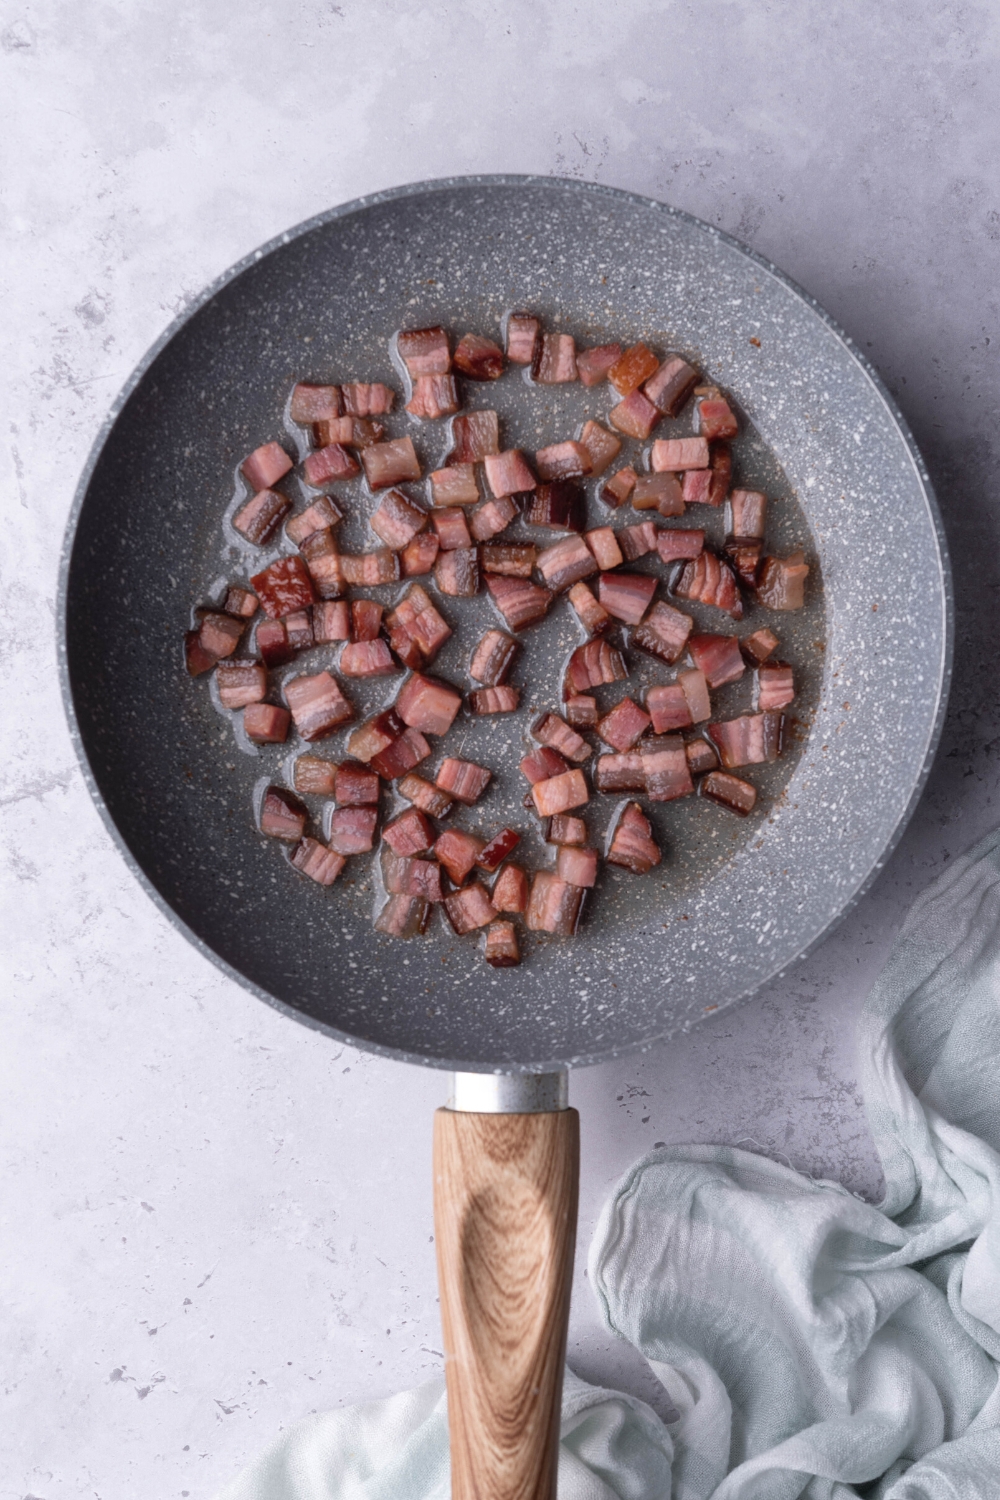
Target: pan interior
x=735, y=901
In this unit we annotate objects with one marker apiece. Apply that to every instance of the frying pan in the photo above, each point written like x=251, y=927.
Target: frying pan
x=734, y=903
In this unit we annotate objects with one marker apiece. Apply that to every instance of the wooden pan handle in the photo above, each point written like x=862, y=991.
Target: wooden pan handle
x=505, y=1202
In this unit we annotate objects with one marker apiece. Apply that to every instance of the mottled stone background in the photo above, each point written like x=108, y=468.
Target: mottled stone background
x=215, y=1222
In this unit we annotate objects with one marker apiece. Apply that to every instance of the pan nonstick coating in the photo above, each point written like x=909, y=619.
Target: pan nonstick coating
x=734, y=902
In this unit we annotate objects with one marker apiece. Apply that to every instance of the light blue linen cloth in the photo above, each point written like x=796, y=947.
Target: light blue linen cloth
x=812, y=1345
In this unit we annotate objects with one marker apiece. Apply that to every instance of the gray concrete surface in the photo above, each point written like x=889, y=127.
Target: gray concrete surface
x=215, y=1222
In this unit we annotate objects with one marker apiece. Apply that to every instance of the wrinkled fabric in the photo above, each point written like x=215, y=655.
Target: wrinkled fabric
x=813, y=1346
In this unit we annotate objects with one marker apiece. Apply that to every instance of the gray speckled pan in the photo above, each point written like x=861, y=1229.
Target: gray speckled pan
x=735, y=902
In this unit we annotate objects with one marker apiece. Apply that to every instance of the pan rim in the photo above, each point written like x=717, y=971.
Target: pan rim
x=343, y=211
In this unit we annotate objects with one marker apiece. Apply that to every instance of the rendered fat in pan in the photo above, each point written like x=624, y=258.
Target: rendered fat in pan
x=730, y=911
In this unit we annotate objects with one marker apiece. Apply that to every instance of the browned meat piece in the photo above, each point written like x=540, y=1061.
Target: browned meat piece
x=566, y=460
x=325, y=565
x=620, y=773
x=458, y=852
x=581, y=711
x=565, y=829
x=747, y=512
x=403, y=917
x=604, y=545
x=323, y=514
x=510, y=889
x=282, y=815
x=636, y=416
x=782, y=580
x=561, y=505
x=619, y=487
x=240, y=683
x=670, y=387
x=457, y=572
x=759, y=646
x=577, y=866
x=424, y=795
x=555, y=732
x=672, y=455
x=366, y=619
x=521, y=603
x=493, y=658
x=554, y=905
x=508, y=473
x=492, y=517
x=633, y=367
x=428, y=705
x=494, y=700
x=716, y=418
x=410, y=833
x=497, y=850
x=555, y=360
x=367, y=400
x=319, y=863
x=452, y=531
x=660, y=492
x=738, y=795
x=317, y=704
x=314, y=776
x=478, y=358
x=775, y=685
x=265, y=466
x=501, y=950
x=633, y=846
x=718, y=657
x=424, y=351
x=329, y=465
x=455, y=485
x=469, y=908
x=558, y=794
x=602, y=446
x=664, y=632
x=749, y=740
x=331, y=621
x=392, y=463
x=623, y=726
x=476, y=436
x=593, y=364
x=665, y=762
x=266, y=724
x=283, y=587
x=314, y=403
x=272, y=643
x=637, y=541
x=626, y=596
x=416, y=617
x=668, y=708
x=512, y=560
x=396, y=520
x=463, y=779
x=363, y=659
x=709, y=580
x=701, y=757
x=240, y=602
x=591, y=665
x=260, y=518
x=522, y=338
x=419, y=556
x=671, y=544
x=540, y=765
x=433, y=396
x=566, y=562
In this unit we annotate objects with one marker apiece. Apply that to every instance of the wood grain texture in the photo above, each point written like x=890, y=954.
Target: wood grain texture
x=505, y=1204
